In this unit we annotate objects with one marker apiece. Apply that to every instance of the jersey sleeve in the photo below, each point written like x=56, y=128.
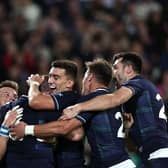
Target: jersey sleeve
x=134, y=85
x=65, y=99
x=84, y=117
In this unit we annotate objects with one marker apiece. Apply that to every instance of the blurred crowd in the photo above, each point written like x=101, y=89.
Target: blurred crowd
x=35, y=32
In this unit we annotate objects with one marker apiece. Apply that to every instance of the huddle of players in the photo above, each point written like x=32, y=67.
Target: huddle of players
x=101, y=117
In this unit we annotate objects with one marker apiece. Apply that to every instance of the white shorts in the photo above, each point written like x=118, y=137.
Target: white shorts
x=124, y=164
x=160, y=153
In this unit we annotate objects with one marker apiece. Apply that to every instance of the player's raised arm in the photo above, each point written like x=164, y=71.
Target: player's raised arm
x=37, y=99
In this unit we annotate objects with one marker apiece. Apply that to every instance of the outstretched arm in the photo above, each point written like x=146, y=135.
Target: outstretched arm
x=70, y=128
x=56, y=128
x=102, y=102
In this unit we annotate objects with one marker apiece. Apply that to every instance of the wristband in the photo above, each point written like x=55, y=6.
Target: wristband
x=35, y=83
x=4, y=131
x=29, y=130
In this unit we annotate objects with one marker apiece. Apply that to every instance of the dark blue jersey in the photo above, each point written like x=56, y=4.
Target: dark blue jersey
x=148, y=110
x=69, y=154
x=65, y=99
x=31, y=117
x=29, y=148
x=104, y=130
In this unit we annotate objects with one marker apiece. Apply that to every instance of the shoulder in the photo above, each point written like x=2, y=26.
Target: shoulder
x=91, y=95
x=137, y=84
x=66, y=94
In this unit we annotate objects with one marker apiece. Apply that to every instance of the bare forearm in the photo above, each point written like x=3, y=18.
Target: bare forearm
x=3, y=146
x=46, y=130
x=107, y=101
x=56, y=128
x=39, y=100
x=98, y=103
x=33, y=93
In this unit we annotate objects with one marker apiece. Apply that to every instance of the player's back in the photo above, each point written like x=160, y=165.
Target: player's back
x=147, y=107
x=104, y=130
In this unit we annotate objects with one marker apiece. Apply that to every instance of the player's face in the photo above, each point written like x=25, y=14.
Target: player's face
x=58, y=81
x=119, y=71
x=7, y=94
x=85, y=83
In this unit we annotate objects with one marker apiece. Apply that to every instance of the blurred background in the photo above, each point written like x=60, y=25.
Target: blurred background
x=35, y=32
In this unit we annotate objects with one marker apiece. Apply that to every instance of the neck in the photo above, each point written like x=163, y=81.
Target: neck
x=97, y=86
x=132, y=76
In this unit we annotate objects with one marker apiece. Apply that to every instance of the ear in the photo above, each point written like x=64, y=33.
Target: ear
x=90, y=77
x=70, y=83
x=129, y=69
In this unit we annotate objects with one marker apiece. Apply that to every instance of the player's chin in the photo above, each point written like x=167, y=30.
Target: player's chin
x=52, y=91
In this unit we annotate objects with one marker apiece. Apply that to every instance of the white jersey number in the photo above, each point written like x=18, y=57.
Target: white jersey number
x=162, y=113
x=120, y=133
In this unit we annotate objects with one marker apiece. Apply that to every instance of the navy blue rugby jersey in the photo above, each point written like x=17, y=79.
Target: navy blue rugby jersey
x=63, y=100
x=31, y=117
x=40, y=117
x=104, y=130
x=147, y=107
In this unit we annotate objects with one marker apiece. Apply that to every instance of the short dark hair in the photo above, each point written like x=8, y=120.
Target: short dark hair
x=71, y=69
x=130, y=58
x=11, y=84
x=102, y=70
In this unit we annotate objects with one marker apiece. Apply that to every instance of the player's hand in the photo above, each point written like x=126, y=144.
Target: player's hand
x=128, y=120
x=17, y=131
x=13, y=116
x=70, y=112
x=35, y=79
